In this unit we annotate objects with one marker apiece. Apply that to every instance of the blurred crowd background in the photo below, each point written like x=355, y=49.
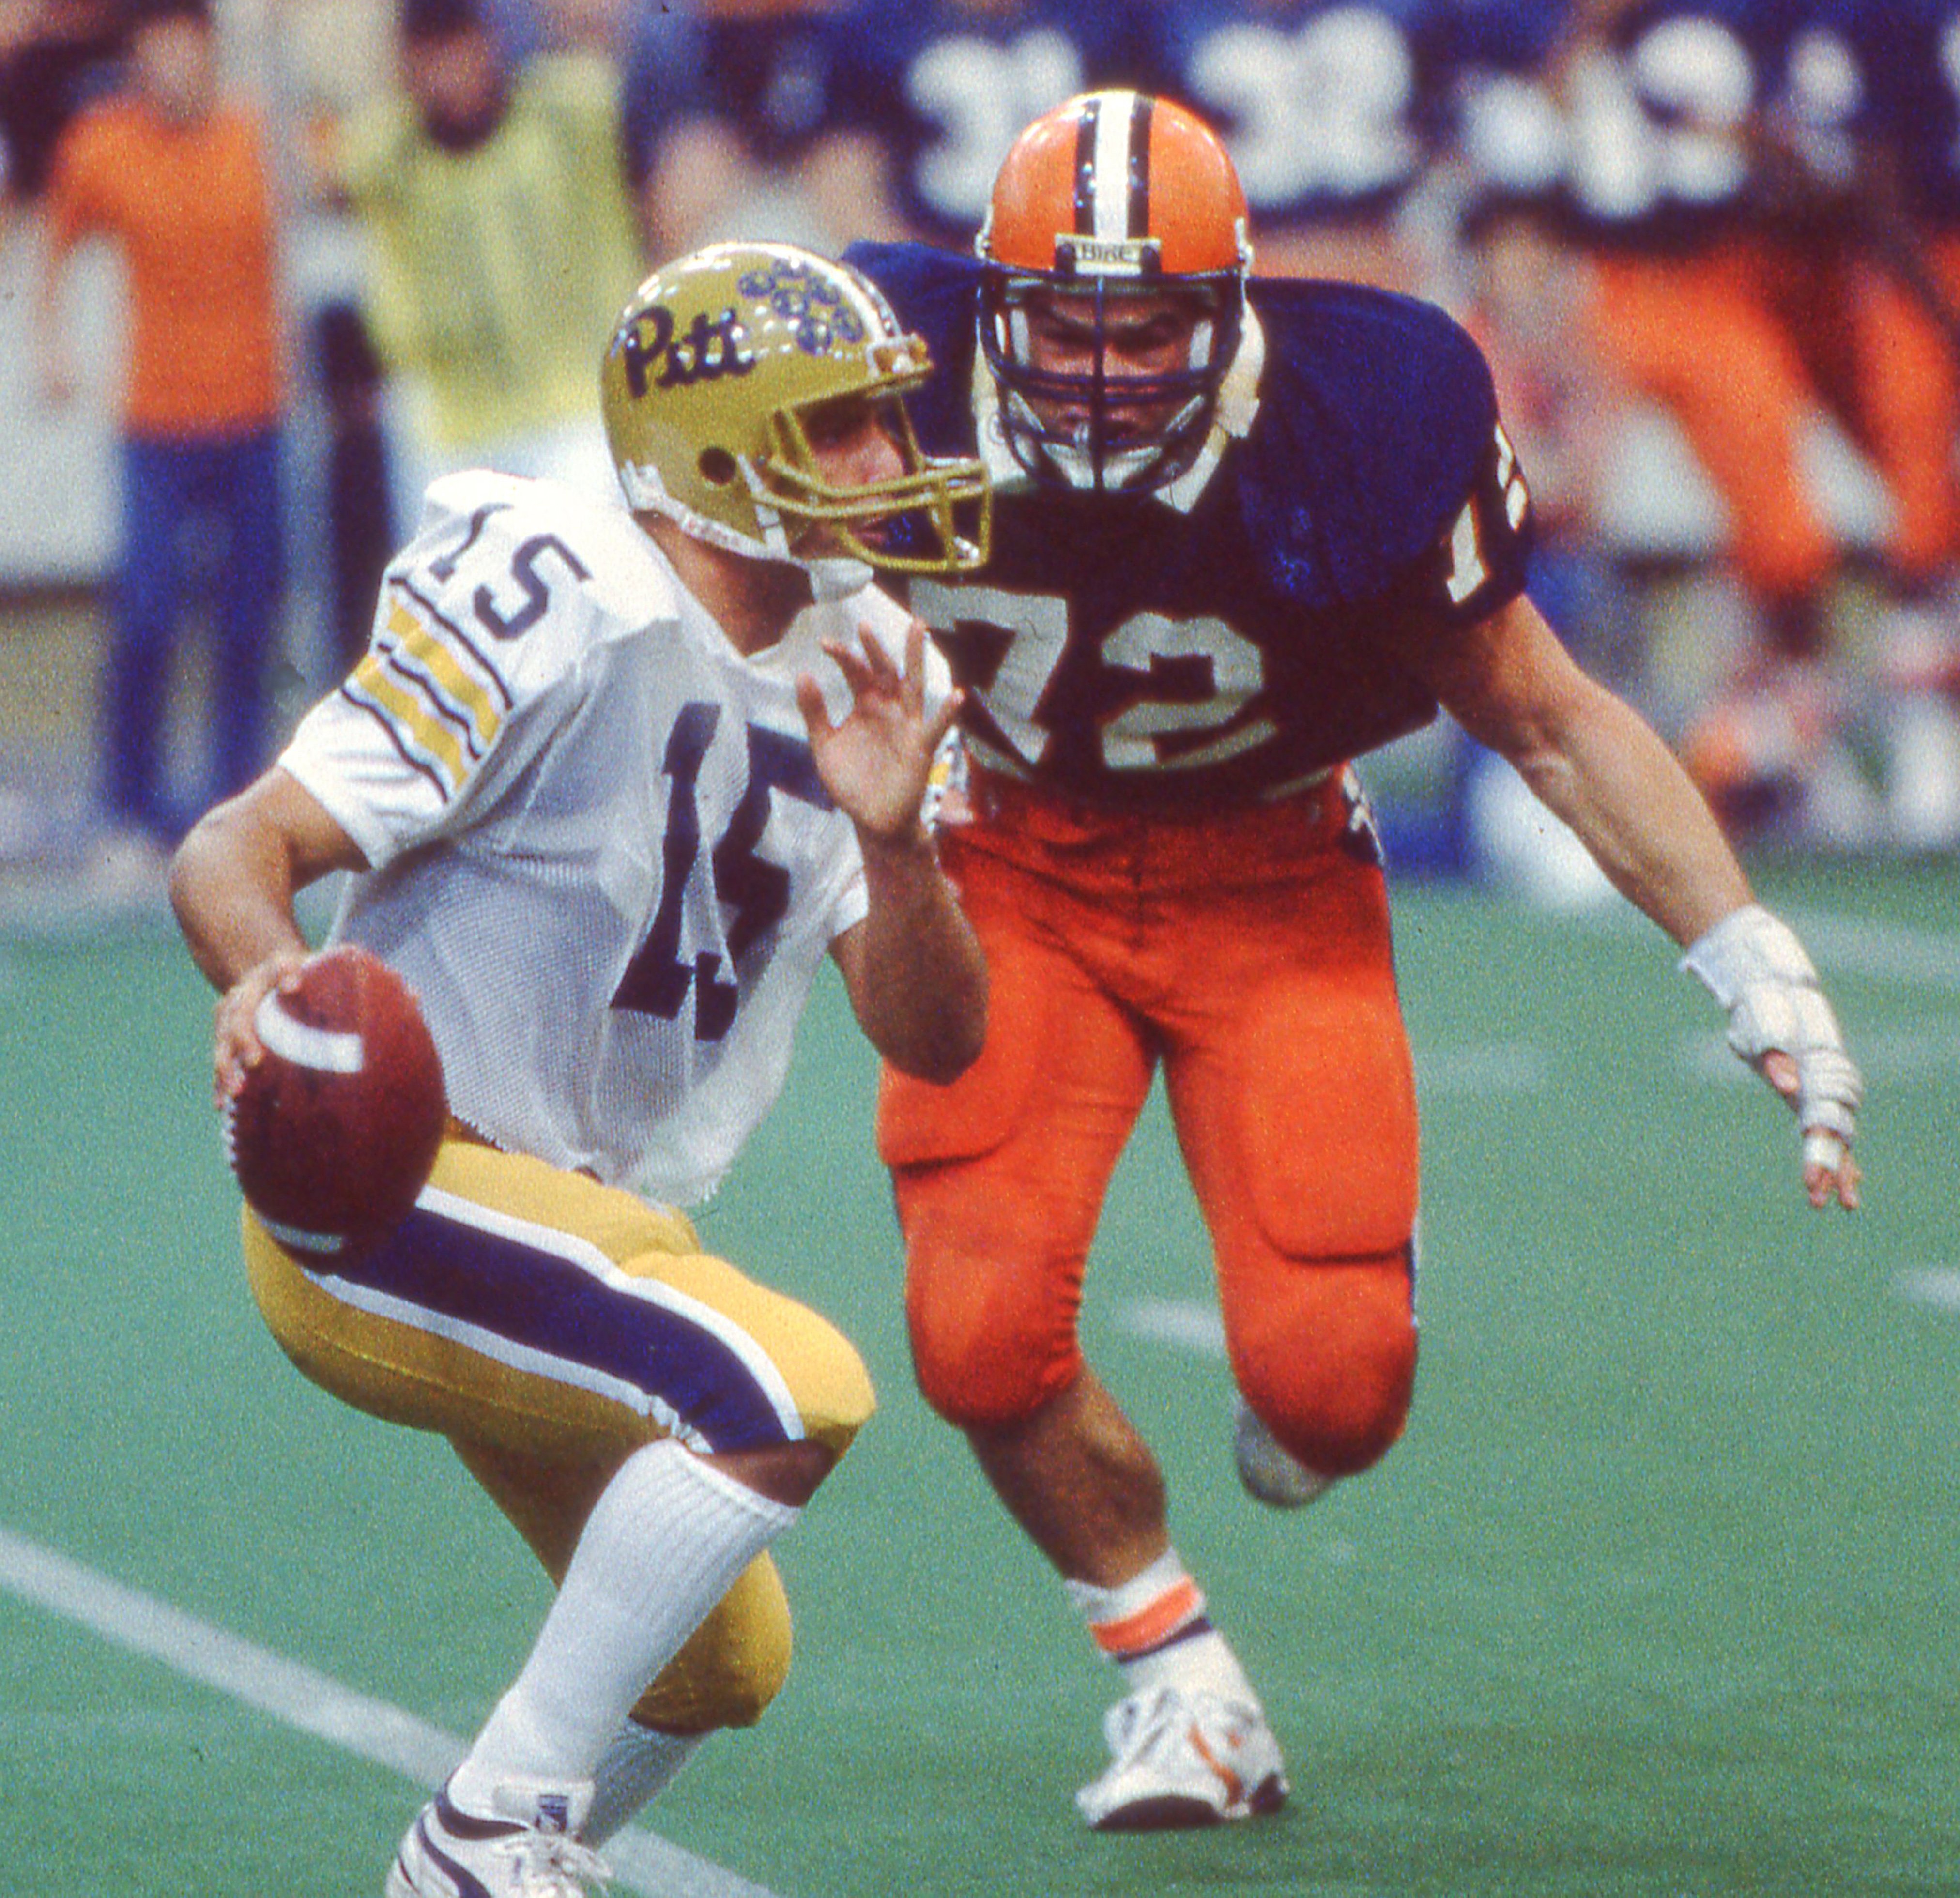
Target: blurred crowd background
x=267, y=266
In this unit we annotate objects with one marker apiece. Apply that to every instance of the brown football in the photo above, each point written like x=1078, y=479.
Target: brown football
x=336, y=1127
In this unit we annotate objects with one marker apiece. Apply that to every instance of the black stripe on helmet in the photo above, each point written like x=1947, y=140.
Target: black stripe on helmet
x=1139, y=225
x=1085, y=167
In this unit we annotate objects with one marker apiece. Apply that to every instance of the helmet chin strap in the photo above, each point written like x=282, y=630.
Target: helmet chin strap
x=832, y=577
x=836, y=576
x=1078, y=460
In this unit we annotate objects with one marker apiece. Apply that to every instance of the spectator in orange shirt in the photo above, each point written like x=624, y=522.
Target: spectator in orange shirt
x=175, y=177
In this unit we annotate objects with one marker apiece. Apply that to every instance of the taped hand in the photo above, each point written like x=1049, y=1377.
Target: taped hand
x=1781, y=1025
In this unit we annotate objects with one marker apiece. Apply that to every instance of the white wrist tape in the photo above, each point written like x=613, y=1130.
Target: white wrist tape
x=1753, y=965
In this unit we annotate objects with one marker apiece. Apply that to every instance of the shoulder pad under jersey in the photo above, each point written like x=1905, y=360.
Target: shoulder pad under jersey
x=1377, y=416
x=527, y=575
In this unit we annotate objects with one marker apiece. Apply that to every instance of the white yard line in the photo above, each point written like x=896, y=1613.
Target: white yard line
x=1482, y=1068
x=1936, y=1287
x=1189, y=1323
x=1881, y=951
x=312, y=1703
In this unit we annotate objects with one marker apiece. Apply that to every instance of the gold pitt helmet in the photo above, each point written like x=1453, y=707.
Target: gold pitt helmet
x=712, y=368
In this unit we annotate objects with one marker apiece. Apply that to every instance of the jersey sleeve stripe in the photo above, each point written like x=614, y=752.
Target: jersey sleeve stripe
x=428, y=664
x=409, y=710
x=413, y=756
x=462, y=639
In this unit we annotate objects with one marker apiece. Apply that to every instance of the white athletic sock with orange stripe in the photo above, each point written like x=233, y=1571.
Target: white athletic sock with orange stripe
x=1154, y=1627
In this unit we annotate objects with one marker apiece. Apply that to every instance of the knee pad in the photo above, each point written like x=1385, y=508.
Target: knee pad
x=1329, y=1365
x=1323, y=1123
x=990, y=1343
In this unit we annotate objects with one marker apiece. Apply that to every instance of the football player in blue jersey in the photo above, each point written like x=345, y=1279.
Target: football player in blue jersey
x=1331, y=111
x=610, y=785
x=1662, y=96
x=1244, y=530
x=1745, y=281
x=1900, y=193
x=947, y=85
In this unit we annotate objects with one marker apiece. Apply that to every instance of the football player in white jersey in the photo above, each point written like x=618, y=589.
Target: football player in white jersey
x=610, y=782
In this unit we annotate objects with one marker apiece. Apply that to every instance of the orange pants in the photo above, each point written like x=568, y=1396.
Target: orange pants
x=1741, y=343
x=1911, y=404
x=1249, y=953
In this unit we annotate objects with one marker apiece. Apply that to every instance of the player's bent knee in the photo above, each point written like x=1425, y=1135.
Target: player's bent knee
x=732, y=1666
x=832, y=1388
x=982, y=1356
x=1331, y=1368
x=1008, y=1395
x=976, y=1383
x=818, y=1367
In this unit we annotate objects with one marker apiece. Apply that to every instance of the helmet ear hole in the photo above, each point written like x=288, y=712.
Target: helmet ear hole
x=718, y=467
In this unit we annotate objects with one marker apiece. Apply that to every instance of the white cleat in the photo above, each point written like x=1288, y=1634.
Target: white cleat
x=1269, y=1472
x=527, y=1849
x=1184, y=1759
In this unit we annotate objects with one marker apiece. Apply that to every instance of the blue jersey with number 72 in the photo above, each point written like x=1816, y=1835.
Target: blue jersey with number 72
x=1210, y=646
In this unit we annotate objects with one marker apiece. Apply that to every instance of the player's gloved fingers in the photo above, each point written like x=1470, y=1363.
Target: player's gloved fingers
x=1829, y=1093
x=1780, y=1023
x=1830, y=1172
x=1829, y=1075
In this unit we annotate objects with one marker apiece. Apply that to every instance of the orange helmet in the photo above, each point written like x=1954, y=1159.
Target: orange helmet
x=1112, y=194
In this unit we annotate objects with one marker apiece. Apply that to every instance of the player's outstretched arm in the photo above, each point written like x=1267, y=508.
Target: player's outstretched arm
x=916, y=976
x=1597, y=765
x=232, y=885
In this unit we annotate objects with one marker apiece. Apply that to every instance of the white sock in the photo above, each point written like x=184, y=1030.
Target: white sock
x=641, y=1762
x=1155, y=1628
x=665, y=1542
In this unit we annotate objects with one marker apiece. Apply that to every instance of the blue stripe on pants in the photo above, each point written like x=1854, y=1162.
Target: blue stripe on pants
x=550, y=1303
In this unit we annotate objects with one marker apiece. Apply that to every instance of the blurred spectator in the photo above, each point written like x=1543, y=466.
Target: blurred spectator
x=735, y=126
x=944, y=87
x=501, y=245
x=360, y=527
x=55, y=55
x=173, y=175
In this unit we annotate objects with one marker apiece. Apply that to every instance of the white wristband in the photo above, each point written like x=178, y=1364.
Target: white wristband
x=1749, y=945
